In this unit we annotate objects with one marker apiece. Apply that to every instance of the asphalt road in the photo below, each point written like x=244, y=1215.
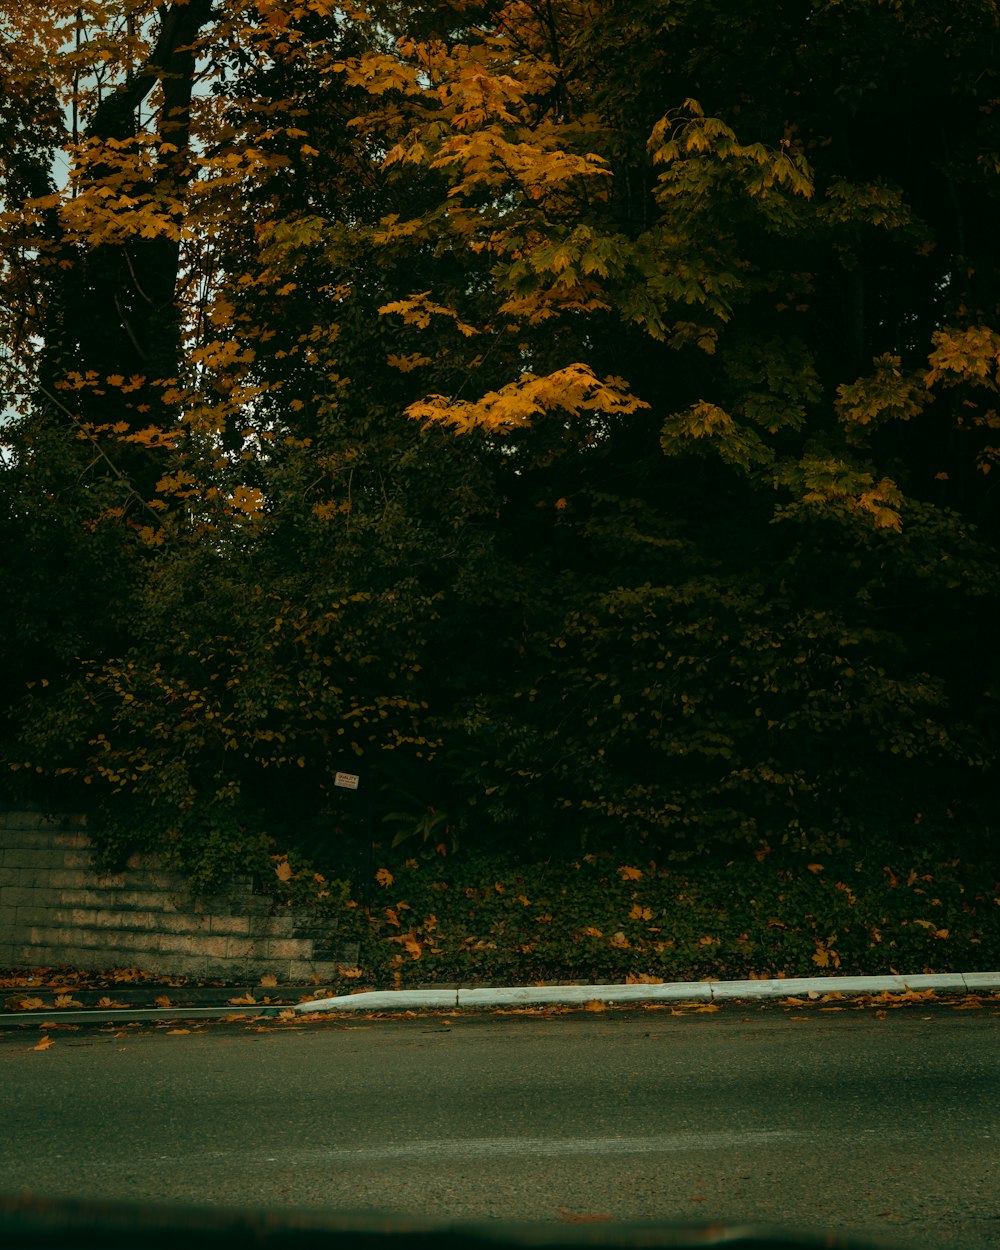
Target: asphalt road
x=878, y=1126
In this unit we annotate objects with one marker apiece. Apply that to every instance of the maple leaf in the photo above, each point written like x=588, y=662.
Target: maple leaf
x=247, y=999
x=825, y=956
x=411, y=943
x=66, y=1000
x=247, y=499
x=269, y=979
x=384, y=877
x=283, y=870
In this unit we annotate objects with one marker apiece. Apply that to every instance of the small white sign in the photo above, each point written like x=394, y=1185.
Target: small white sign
x=347, y=781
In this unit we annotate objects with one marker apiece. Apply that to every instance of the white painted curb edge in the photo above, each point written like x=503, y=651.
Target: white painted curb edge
x=676, y=991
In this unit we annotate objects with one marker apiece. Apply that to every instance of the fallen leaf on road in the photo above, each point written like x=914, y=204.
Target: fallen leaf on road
x=29, y=1004
x=239, y=1002
x=44, y=1044
x=178, y=1032
x=67, y=1000
x=798, y=1017
x=595, y=1004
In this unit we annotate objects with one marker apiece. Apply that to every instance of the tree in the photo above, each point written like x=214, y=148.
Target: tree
x=496, y=392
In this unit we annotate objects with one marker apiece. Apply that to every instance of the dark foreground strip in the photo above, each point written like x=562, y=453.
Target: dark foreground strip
x=29, y=1223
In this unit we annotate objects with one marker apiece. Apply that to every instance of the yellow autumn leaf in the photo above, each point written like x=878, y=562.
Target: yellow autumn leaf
x=44, y=1044
x=410, y=942
x=384, y=877
x=269, y=979
x=283, y=870
x=406, y=364
x=178, y=1032
x=247, y=499
x=638, y=912
x=630, y=874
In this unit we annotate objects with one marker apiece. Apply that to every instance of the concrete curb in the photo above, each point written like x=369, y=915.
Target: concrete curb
x=676, y=991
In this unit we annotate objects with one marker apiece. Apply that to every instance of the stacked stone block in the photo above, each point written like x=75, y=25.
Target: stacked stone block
x=56, y=910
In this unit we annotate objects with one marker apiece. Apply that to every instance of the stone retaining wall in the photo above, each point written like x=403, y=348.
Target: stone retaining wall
x=56, y=911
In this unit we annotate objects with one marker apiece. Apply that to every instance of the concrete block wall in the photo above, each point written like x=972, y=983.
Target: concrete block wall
x=57, y=911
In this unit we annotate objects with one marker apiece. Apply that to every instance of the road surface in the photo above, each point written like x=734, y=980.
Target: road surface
x=877, y=1125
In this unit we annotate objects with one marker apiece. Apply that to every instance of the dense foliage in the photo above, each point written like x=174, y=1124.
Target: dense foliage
x=576, y=417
